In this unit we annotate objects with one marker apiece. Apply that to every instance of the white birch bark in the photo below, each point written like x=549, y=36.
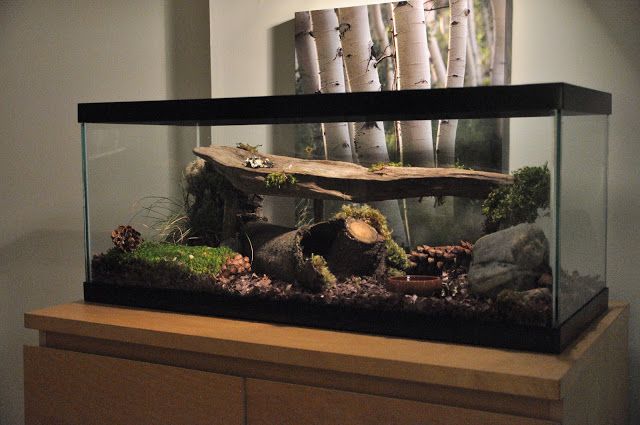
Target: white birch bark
x=458, y=28
x=306, y=54
x=434, y=49
x=413, y=72
x=381, y=35
x=330, y=63
x=369, y=141
x=487, y=22
x=379, y=27
x=351, y=125
x=356, y=44
x=307, y=61
x=499, y=25
x=470, y=74
x=392, y=71
x=474, y=53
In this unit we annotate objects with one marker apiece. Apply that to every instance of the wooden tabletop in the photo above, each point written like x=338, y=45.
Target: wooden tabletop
x=537, y=375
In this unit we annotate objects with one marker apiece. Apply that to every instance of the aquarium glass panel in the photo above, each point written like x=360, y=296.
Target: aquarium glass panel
x=582, y=203
x=134, y=177
x=487, y=230
x=513, y=224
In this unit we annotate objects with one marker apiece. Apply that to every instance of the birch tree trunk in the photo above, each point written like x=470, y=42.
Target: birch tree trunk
x=350, y=125
x=474, y=55
x=458, y=29
x=498, y=62
x=487, y=21
x=307, y=60
x=356, y=43
x=381, y=35
x=434, y=49
x=369, y=141
x=413, y=72
x=306, y=54
x=379, y=27
x=330, y=63
x=470, y=75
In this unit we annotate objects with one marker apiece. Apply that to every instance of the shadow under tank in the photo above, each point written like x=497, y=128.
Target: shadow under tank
x=234, y=207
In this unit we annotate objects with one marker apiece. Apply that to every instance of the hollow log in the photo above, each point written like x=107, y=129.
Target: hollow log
x=316, y=179
x=356, y=238
x=350, y=247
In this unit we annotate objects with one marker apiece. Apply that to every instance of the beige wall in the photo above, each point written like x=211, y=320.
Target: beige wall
x=578, y=45
x=584, y=42
x=54, y=55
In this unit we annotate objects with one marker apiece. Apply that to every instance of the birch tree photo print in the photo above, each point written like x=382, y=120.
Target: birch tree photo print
x=405, y=45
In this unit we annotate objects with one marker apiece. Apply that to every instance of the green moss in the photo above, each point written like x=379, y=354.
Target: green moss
x=368, y=214
x=519, y=202
x=396, y=256
x=247, y=147
x=197, y=260
x=321, y=266
x=279, y=179
x=378, y=166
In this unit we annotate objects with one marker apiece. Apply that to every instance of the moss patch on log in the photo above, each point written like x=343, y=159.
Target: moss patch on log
x=379, y=166
x=396, y=256
x=321, y=266
x=279, y=179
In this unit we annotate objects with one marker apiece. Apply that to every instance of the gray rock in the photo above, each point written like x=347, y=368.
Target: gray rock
x=524, y=245
x=513, y=258
x=491, y=278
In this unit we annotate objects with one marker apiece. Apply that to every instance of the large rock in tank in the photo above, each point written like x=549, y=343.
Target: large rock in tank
x=513, y=258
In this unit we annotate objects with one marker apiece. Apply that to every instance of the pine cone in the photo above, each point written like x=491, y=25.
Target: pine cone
x=126, y=238
x=434, y=260
x=236, y=265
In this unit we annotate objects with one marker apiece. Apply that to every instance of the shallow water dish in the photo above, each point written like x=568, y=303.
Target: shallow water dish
x=422, y=285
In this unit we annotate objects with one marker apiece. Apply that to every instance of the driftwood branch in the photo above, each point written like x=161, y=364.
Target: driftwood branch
x=347, y=181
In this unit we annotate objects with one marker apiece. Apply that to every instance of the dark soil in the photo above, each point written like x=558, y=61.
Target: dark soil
x=453, y=301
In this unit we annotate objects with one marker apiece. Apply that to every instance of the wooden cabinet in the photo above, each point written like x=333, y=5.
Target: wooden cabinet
x=65, y=387
x=101, y=364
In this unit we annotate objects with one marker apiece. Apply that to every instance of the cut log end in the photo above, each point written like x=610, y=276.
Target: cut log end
x=362, y=232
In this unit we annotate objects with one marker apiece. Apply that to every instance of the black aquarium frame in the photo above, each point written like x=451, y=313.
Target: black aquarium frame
x=468, y=102
x=550, y=99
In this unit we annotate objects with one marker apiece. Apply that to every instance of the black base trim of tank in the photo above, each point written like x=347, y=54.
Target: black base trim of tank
x=391, y=323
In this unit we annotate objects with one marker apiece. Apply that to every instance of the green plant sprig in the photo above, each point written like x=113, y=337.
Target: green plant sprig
x=519, y=202
x=279, y=179
x=379, y=166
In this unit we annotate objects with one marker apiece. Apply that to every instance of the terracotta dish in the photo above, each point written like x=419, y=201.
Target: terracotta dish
x=422, y=285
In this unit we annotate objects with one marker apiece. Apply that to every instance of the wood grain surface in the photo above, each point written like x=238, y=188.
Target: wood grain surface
x=271, y=403
x=542, y=376
x=316, y=179
x=63, y=387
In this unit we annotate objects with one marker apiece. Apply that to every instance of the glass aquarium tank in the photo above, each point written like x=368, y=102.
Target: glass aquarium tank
x=474, y=215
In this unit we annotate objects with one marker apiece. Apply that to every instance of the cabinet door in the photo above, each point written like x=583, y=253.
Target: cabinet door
x=65, y=387
x=270, y=403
